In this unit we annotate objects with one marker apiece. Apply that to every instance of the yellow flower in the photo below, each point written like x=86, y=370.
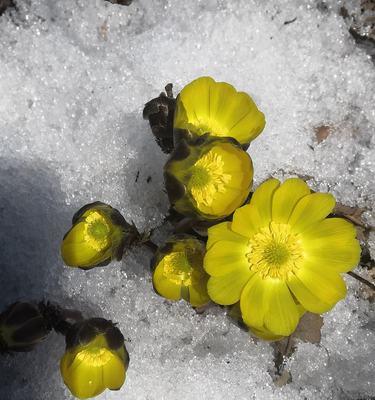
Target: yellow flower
x=208, y=178
x=178, y=270
x=205, y=106
x=281, y=256
x=98, y=235
x=95, y=359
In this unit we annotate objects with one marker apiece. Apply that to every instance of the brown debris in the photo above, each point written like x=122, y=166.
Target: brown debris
x=103, y=31
x=366, y=292
x=322, y=132
x=353, y=214
x=308, y=330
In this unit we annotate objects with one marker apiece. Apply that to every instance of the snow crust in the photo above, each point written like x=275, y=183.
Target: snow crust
x=74, y=76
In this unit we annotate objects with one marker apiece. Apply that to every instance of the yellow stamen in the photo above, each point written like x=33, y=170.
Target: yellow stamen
x=208, y=178
x=97, y=231
x=275, y=251
x=177, y=268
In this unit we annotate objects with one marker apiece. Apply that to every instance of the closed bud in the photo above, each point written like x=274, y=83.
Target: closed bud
x=160, y=113
x=178, y=270
x=95, y=358
x=208, y=178
x=22, y=327
x=99, y=234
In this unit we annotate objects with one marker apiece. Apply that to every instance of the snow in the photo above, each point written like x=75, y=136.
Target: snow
x=74, y=76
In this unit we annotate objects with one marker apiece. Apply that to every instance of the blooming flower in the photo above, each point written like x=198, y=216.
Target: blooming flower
x=208, y=178
x=281, y=255
x=95, y=358
x=98, y=235
x=178, y=270
x=205, y=105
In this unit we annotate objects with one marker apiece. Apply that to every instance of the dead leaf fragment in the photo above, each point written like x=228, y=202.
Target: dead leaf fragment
x=283, y=379
x=322, y=132
x=103, y=31
x=353, y=214
x=309, y=328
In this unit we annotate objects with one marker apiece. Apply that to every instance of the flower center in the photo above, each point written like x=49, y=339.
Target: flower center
x=275, y=251
x=177, y=268
x=97, y=231
x=208, y=178
x=95, y=356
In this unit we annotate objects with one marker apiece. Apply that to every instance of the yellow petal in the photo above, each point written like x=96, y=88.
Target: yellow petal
x=224, y=257
x=332, y=242
x=239, y=117
x=83, y=380
x=265, y=334
x=282, y=317
x=163, y=286
x=262, y=200
x=223, y=231
x=114, y=373
x=77, y=252
x=307, y=298
x=198, y=295
x=286, y=197
x=254, y=302
x=226, y=289
x=323, y=282
x=329, y=228
x=266, y=303
x=80, y=254
x=311, y=209
x=249, y=126
x=237, y=189
x=220, y=92
x=193, y=103
x=76, y=234
x=246, y=221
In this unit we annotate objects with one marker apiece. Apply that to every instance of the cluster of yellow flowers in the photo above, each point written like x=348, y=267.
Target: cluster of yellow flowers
x=275, y=252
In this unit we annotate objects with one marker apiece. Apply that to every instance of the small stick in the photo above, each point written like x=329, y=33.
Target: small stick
x=361, y=279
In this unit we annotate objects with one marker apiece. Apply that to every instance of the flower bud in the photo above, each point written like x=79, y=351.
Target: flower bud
x=22, y=326
x=178, y=270
x=98, y=235
x=206, y=106
x=95, y=358
x=160, y=113
x=208, y=178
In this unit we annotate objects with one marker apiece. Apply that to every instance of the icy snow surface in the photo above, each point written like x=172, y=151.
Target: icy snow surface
x=74, y=76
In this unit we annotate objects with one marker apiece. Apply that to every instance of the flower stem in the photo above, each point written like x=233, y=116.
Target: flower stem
x=361, y=279
x=151, y=245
